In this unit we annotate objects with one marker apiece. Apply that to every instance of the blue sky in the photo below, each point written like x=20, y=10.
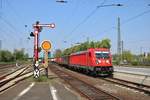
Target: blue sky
x=69, y=17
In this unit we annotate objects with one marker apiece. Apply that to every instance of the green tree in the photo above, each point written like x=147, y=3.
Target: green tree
x=91, y=45
x=97, y=44
x=6, y=56
x=20, y=54
x=105, y=43
x=77, y=48
x=58, y=53
x=84, y=46
x=128, y=56
x=115, y=59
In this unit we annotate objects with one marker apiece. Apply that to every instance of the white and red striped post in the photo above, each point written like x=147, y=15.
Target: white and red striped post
x=37, y=29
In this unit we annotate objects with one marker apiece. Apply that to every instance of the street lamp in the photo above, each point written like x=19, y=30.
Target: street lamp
x=109, y=5
x=61, y=1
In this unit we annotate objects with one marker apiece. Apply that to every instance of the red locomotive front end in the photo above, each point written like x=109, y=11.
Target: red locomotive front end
x=102, y=61
x=95, y=60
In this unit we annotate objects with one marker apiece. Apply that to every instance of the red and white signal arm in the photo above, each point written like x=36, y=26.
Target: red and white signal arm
x=52, y=25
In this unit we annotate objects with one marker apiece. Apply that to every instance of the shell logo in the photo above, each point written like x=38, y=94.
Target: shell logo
x=46, y=45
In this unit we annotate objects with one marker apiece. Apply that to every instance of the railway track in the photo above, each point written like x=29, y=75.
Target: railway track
x=8, y=71
x=129, y=84
x=8, y=68
x=5, y=66
x=12, y=78
x=84, y=88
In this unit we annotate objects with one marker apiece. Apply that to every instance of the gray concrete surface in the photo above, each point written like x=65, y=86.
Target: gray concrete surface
x=141, y=79
x=140, y=71
x=137, y=75
x=40, y=91
x=11, y=93
x=53, y=89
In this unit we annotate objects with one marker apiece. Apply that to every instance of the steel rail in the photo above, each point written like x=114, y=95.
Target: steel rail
x=85, y=89
x=129, y=84
x=7, y=74
x=13, y=81
x=4, y=66
x=6, y=80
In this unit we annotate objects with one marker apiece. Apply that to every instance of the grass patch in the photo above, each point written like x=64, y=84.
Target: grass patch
x=42, y=78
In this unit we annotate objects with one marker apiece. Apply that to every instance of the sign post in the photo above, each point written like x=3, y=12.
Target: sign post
x=37, y=29
x=46, y=46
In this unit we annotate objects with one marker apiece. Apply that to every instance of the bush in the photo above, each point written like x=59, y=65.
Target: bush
x=115, y=62
x=134, y=63
x=7, y=56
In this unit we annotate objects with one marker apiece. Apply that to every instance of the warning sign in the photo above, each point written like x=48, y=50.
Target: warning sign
x=46, y=45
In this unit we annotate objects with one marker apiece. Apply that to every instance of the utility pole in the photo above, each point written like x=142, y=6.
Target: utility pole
x=0, y=44
x=88, y=39
x=141, y=54
x=37, y=29
x=122, y=46
x=141, y=50
x=122, y=50
x=119, y=41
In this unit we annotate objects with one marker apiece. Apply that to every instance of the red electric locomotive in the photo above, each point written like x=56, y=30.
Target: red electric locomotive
x=96, y=61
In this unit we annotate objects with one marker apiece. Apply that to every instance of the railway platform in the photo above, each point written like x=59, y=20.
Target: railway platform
x=53, y=89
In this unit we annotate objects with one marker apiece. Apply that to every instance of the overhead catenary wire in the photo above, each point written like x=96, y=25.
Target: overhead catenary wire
x=15, y=12
x=84, y=20
x=6, y=38
x=2, y=35
x=6, y=33
x=9, y=24
x=13, y=31
x=111, y=28
x=135, y=17
x=125, y=21
x=74, y=10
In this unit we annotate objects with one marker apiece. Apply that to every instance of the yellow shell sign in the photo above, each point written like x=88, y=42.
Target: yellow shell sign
x=46, y=45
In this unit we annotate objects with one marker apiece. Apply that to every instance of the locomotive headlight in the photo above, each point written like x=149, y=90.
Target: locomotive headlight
x=98, y=61
x=107, y=61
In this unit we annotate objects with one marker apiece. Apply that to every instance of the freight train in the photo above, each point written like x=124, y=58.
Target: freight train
x=94, y=61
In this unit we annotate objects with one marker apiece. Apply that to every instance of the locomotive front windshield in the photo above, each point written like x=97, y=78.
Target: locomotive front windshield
x=102, y=55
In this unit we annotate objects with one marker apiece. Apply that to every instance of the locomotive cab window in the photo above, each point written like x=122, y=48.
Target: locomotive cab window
x=102, y=55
